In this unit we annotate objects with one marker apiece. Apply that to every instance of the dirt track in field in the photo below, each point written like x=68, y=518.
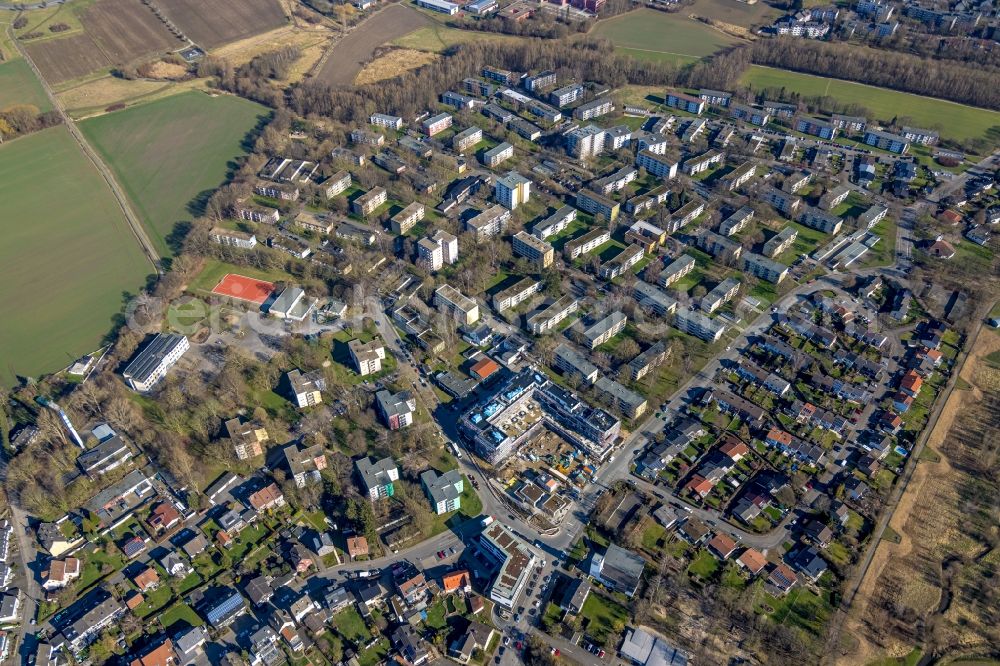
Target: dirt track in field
x=349, y=56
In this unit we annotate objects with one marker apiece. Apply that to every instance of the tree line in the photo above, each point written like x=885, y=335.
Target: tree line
x=21, y=119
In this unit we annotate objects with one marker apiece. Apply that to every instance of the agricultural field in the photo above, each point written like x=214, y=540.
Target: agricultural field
x=127, y=29
x=171, y=153
x=68, y=255
x=348, y=56
x=661, y=35
x=735, y=12
x=211, y=24
x=964, y=122
x=67, y=58
x=18, y=85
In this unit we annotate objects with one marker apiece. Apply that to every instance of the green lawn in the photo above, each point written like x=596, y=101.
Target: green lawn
x=215, y=270
x=603, y=616
x=350, y=625
x=703, y=565
x=180, y=613
x=662, y=35
x=170, y=154
x=963, y=122
x=18, y=85
x=68, y=256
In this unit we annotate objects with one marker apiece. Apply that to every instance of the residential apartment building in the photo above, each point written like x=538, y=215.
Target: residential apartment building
x=238, y=239
x=597, y=204
x=458, y=100
x=647, y=201
x=512, y=190
x=584, y=142
x=369, y=201
x=736, y=222
x=834, y=197
x=814, y=218
x=615, y=182
x=780, y=110
x=783, y=202
x=721, y=294
x=572, y=363
x=540, y=81
x=554, y=223
x=155, y=360
x=922, y=136
x=749, y=114
x=872, y=216
x=377, y=477
x=848, y=123
x=686, y=214
x=466, y=139
x=387, y=121
x=552, y=315
x=653, y=298
x=258, y=214
x=696, y=323
x=796, y=181
x=498, y=154
x=407, y=218
x=602, y=330
x=501, y=76
x=247, y=438
x=631, y=404
x=456, y=304
x=641, y=365
x=396, y=409
x=537, y=251
x=515, y=561
x=660, y=166
x=886, y=141
x=738, y=176
x=701, y=163
x=676, y=269
x=525, y=130
x=491, y=222
x=367, y=356
x=764, y=268
x=586, y=243
x=684, y=102
x=279, y=191
x=595, y=109
x=780, y=242
x=443, y=490
x=304, y=388
x=436, y=251
x=336, y=184
x=621, y=262
x=437, y=124
x=816, y=127
x=566, y=95
x=715, y=97
x=365, y=138
x=515, y=294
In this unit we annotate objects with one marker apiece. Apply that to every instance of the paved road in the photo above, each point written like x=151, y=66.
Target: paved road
x=134, y=223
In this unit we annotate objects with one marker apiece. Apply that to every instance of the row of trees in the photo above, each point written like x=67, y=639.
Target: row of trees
x=21, y=119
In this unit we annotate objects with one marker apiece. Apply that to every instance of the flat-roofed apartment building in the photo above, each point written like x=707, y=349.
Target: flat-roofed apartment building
x=698, y=324
x=453, y=302
x=783, y=202
x=653, y=298
x=661, y=166
x=247, y=438
x=738, y=176
x=736, y=222
x=369, y=201
x=597, y=333
x=436, y=251
x=554, y=223
x=367, y=356
x=515, y=294
x=721, y=294
x=466, y=139
x=685, y=215
x=586, y=243
x=552, y=315
x=621, y=262
x=155, y=360
x=258, y=214
x=676, y=269
x=685, y=102
x=704, y=162
x=537, y=251
x=407, y=218
x=716, y=245
x=780, y=242
x=625, y=400
x=615, y=181
x=437, y=124
x=498, y=154
x=491, y=222
x=764, y=268
x=574, y=364
x=385, y=120
x=584, y=142
x=814, y=218
x=336, y=184
x=597, y=204
x=279, y=191
x=239, y=239
x=515, y=561
x=834, y=197
x=647, y=360
x=595, y=109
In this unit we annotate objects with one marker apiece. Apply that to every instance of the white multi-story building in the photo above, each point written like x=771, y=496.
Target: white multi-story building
x=534, y=250
x=585, y=142
x=238, y=239
x=367, y=357
x=512, y=190
x=153, y=362
x=453, y=302
x=517, y=293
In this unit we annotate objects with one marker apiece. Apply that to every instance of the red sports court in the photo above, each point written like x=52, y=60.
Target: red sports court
x=244, y=288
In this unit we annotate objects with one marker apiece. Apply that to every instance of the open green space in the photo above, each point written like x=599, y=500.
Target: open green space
x=172, y=153
x=351, y=625
x=438, y=38
x=68, y=256
x=18, y=85
x=180, y=614
x=662, y=34
x=603, y=616
x=215, y=270
x=955, y=121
